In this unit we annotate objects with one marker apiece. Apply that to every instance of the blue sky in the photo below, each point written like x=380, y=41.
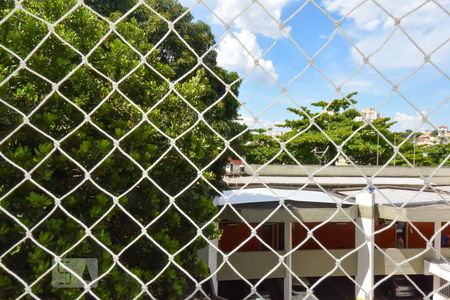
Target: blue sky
x=368, y=27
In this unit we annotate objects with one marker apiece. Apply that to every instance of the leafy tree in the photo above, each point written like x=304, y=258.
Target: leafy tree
x=338, y=120
x=260, y=147
x=415, y=155
x=116, y=197
x=312, y=136
x=438, y=153
x=424, y=155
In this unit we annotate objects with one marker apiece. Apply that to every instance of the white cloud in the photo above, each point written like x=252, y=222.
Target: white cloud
x=429, y=26
x=248, y=20
x=259, y=123
x=364, y=84
x=406, y=121
x=232, y=56
x=254, y=19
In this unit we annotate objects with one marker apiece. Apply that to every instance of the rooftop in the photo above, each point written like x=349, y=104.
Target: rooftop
x=330, y=194
x=295, y=176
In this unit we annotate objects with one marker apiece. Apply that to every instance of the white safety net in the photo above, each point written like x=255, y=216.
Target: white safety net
x=117, y=123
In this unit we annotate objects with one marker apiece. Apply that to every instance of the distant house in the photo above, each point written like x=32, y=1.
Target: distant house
x=368, y=114
x=234, y=166
x=443, y=134
x=426, y=139
x=275, y=133
x=443, y=130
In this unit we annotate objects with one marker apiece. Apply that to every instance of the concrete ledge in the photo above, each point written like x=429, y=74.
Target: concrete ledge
x=316, y=263
x=426, y=213
x=441, y=177
x=438, y=268
x=439, y=296
x=330, y=171
x=303, y=214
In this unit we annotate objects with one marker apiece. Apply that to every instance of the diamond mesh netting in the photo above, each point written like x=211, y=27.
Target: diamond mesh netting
x=117, y=123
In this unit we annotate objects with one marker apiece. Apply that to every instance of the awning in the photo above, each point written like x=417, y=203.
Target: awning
x=255, y=205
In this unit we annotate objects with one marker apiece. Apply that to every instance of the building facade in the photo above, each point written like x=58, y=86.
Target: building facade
x=324, y=232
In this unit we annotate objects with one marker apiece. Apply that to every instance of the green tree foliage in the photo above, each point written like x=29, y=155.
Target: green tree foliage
x=260, y=147
x=114, y=177
x=423, y=155
x=312, y=137
x=438, y=154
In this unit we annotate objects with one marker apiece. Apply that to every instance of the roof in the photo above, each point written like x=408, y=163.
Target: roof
x=349, y=174
x=259, y=195
x=234, y=161
x=383, y=196
x=324, y=181
x=443, y=188
x=257, y=204
x=399, y=197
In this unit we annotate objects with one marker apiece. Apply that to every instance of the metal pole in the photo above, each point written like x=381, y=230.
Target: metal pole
x=395, y=141
x=288, y=261
x=378, y=146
